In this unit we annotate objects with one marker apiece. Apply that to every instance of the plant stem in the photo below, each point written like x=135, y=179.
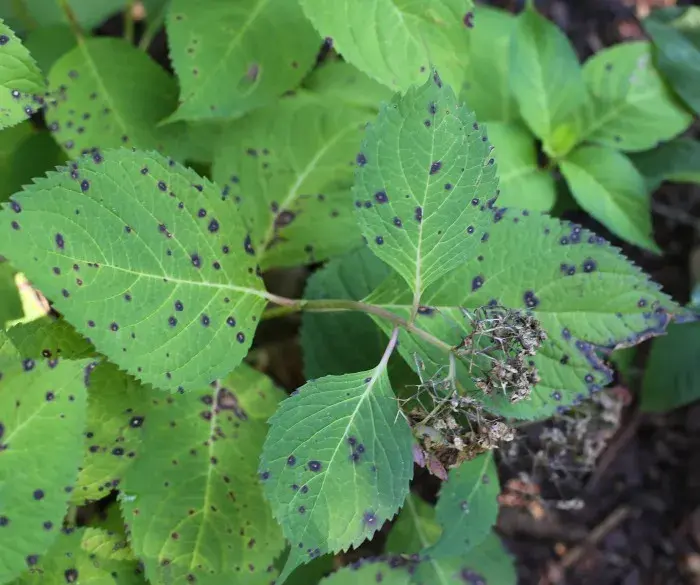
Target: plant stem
x=72, y=20
x=154, y=23
x=129, y=22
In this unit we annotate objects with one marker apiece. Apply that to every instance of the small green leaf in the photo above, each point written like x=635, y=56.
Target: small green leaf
x=50, y=338
x=341, y=82
x=487, y=87
x=677, y=161
x=467, y=507
x=423, y=160
x=48, y=43
x=21, y=83
x=608, y=186
x=312, y=572
x=521, y=181
x=391, y=571
x=336, y=343
x=42, y=401
x=290, y=168
x=675, y=33
x=110, y=546
x=192, y=498
x=232, y=57
x=10, y=302
x=672, y=376
x=419, y=35
x=415, y=528
x=336, y=463
x=631, y=108
x=143, y=257
x=547, y=81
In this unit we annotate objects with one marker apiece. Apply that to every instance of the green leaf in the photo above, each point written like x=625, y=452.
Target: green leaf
x=341, y=82
x=21, y=81
x=10, y=302
x=49, y=337
x=312, y=572
x=48, y=43
x=336, y=463
x=631, y=108
x=165, y=284
x=192, y=497
x=677, y=161
x=467, y=506
x=608, y=186
x=42, y=402
x=415, y=528
x=73, y=560
x=675, y=33
x=232, y=57
x=391, y=571
x=423, y=160
x=108, y=94
x=107, y=545
x=521, y=181
x=547, y=81
x=290, y=168
x=487, y=88
x=12, y=138
x=88, y=13
x=340, y=342
x=672, y=376
x=397, y=43
x=585, y=294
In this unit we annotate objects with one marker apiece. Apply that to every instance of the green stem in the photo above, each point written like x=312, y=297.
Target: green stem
x=129, y=22
x=154, y=25
x=72, y=20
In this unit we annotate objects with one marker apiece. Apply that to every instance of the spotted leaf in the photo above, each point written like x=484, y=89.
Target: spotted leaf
x=585, y=294
x=423, y=160
x=387, y=570
x=336, y=463
x=232, y=57
x=608, y=186
x=631, y=107
x=41, y=400
x=414, y=529
x=143, y=257
x=49, y=337
x=112, y=546
x=677, y=161
x=289, y=168
x=419, y=34
x=21, y=83
x=192, y=497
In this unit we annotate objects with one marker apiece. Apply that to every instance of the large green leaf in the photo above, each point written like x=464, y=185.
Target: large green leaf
x=487, y=86
x=423, y=160
x=396, y=43
x=192, y=497
x=336, y=343
x=415, y=528
x=585, y=294
x=672, y=375
x=676, y=33
x=520, y=179
x=10, y=302
x=609, y=187
x=42, y=418
x=387, y=571
x=631, y=108
x=336, y=463
x=21, y=82
x=143, y=257
x=467, y=507
x=108, y=94
x=232, y=57
x=677, y=161
x=547, y=81
x=289, y=167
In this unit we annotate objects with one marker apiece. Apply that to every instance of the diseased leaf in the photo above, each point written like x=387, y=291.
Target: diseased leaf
x=467, y=507
x=342, y=82
x=631, y=108
x=41, y=400
x=423, y=160
x=312, y=572
x=675, y=31
x=487, y=89
x=392, y=570
x=608, y=186
x=232, y=57
x=337, y=435
x=21, y=83
x=677, y=161
x=143, y=257
x=336, y=343
x=547, y=81
x=107, y=545
x=396, y=43
x=49, y=337
x=289, y=168
x=415, y=528
x=672, y=375
x=10, y=303
x=520, y=179
x=48, y=43
x=192, y=498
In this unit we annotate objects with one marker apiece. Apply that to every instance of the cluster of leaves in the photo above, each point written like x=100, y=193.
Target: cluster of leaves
x=136, y=384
